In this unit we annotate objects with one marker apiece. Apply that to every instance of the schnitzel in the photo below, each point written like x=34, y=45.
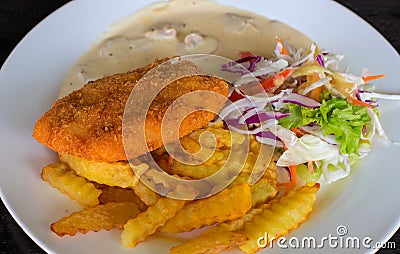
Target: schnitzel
x=88, y=122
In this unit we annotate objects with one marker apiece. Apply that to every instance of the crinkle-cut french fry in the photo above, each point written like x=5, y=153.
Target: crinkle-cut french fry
x=220, y=159
x=199, y=171
x=223, y=137
x=237, y=224
x=225, y=144
x=113, y=194
x=212, y=165
x=67, y=182
x=148, y=196
x=271, y=173
x=107, y=216
x=284, y=214
x=260, y=158
x=228, y=204
x=109, y=173
x=252, y=165
x=211, y=243
x=263, y=190
x=146, y=223
x=217, y=144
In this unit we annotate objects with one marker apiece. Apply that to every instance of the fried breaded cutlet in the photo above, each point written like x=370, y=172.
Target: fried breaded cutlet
x=88, y=122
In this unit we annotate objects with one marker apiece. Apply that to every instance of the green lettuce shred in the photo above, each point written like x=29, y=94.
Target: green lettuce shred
x=336, y=116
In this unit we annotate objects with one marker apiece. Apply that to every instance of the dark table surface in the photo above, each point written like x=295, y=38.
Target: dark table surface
x=18, y=17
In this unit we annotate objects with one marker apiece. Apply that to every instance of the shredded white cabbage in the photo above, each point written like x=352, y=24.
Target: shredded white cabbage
x=316, y=84
x=317, y=131
x=376, y=123
x=374, y=95
x=308, y=148
x=267, y=67
x=339, y=172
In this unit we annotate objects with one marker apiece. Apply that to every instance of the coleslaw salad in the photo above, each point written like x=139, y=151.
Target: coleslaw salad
x=320, y=117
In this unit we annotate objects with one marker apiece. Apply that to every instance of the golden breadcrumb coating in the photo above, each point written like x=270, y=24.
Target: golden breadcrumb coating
x=88, y=122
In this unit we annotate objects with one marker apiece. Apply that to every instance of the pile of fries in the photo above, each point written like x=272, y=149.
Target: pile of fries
x=113, y=197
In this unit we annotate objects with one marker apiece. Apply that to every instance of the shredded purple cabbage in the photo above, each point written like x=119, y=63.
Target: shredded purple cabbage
x=233, y=66
x=364, y=91
x=364, y=130
x=372, y=103
x=268, y=134
x=358, y=96
x=264, y=116
x=253, y=63
x=257, y=118
x=301, y=100
x=320, y=60
x=246, y=59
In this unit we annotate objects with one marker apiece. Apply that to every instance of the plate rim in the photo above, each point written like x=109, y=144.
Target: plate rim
x=21, y=223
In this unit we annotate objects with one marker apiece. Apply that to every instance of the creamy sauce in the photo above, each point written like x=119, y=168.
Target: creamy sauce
x=179, y=27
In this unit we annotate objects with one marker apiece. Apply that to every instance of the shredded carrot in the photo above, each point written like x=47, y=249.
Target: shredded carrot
x=293, y=175
x=316, y=93
x=293, y=179
x=244, y=54
x=283, y=50
x=268, y=84
x=370, y=78
x=299, y=132
x=310, y=166
x=277, y=80
x=358, y=102
x=286, y=73
x=293, y=169
x=284, y=146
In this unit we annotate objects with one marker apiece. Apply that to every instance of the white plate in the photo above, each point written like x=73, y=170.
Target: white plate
x=366, y=202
